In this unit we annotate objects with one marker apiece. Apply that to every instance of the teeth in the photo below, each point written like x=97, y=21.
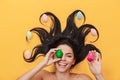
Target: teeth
x=62, y=64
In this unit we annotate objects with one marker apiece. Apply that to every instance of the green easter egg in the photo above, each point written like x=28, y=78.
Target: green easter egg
x=59, y=53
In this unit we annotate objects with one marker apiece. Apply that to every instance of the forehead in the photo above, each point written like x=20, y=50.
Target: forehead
x=65, y=48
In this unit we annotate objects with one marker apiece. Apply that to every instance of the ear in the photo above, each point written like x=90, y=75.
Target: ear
x=73, y=62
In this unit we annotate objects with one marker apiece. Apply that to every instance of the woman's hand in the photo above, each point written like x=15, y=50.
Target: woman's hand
x=49, y=58
x=95, y=66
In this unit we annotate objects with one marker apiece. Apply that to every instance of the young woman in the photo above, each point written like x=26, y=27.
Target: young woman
x=72, y=43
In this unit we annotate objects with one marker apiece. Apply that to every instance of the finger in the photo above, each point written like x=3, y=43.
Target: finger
x=52, y=55
x=90, y=63
x=97, y=56
x=94, y=50
x=55, y=60
x=48, y=55
x=51, y=51
x=56, y=49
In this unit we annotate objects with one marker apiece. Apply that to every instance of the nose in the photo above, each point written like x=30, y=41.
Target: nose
x=63, y=57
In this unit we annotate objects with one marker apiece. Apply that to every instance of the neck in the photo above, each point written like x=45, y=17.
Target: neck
x=62, y=75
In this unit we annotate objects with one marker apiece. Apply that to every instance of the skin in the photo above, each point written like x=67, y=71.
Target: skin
x=62, y=66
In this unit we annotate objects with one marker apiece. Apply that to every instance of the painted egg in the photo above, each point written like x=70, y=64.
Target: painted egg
x=27, y=54
x=90, y=56
x=93, y=32
x=79, y=15
x=28, y=35
x=59, y=53
x=44, y=18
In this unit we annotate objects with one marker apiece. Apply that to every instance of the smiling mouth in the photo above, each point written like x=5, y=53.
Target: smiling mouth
x=62, y=64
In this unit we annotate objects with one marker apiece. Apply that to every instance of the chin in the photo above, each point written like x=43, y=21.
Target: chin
x=62, y=67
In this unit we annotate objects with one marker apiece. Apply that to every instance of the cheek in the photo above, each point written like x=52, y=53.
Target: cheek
x=70, y=60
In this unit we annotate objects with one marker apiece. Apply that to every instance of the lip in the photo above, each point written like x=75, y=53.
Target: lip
x=61, y=65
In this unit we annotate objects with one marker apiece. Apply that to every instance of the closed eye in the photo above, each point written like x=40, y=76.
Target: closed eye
x=69, y=54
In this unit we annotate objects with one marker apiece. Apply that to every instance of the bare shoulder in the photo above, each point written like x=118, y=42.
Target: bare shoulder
x=85, y=77
x=82, y=77
x=43, y=73
x=40, y=75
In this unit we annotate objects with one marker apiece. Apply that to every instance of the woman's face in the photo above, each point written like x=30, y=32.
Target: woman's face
x=67, y=59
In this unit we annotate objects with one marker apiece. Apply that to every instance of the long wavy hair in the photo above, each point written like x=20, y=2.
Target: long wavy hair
x=72, y=35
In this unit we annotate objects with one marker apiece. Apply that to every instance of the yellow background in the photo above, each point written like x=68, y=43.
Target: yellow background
x=18, y=16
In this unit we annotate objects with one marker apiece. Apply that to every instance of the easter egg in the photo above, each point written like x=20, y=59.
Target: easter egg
x=90, y=56
x=79, y=15
x=27, y=54
x=44, y=18
x=59, y=53
x=93, y=32
x=28, y=35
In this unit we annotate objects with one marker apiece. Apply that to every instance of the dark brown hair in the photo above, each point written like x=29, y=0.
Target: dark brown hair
x=72, y=35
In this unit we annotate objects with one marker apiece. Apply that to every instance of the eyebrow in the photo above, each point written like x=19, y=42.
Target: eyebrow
x=68, y=53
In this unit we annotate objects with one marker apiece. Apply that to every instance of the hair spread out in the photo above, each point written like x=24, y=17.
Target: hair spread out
x=72, y=35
